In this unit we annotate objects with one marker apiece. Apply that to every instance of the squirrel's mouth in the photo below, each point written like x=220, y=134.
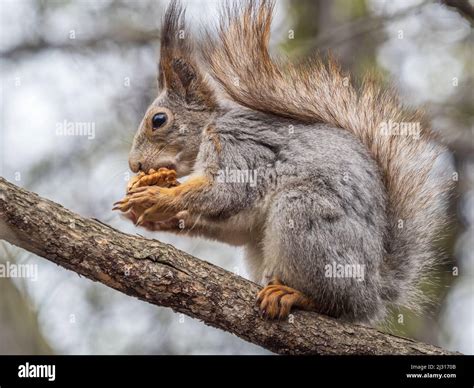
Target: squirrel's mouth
x=172, y=162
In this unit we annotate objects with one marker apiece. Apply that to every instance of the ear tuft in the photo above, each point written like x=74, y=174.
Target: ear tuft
x=184, y=71
x=179, y=73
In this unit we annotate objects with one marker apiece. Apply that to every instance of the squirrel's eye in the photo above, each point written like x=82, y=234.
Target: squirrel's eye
x=159, y=120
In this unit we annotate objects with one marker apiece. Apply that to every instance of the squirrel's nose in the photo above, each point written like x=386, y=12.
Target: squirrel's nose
x=135, y=165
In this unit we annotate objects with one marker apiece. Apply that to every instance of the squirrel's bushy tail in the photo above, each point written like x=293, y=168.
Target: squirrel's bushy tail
x=316, y=92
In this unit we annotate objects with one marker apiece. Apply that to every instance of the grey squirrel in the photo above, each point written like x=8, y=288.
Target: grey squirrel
x=341, y=214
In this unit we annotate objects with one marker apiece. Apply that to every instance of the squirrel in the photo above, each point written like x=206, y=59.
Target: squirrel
x=334, y=196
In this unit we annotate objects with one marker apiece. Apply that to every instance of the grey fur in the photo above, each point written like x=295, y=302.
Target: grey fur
x=330, y=191
x=318, y=199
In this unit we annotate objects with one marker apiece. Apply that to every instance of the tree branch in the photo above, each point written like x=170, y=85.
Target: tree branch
x=161, y=274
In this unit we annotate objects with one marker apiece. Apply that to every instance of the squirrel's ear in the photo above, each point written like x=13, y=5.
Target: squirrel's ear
x=179, y=73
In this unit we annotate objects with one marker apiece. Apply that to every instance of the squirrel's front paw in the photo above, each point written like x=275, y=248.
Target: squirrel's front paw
x=276, y=300
x=146, y=201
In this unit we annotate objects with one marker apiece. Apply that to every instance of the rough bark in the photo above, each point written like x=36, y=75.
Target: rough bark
x=161, y=274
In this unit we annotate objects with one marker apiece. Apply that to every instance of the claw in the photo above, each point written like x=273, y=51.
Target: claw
x=122, y=201
x=118, y=206
x=276, y=300
x=140, y=220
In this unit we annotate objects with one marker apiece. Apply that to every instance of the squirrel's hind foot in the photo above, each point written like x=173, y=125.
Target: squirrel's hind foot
x=276, y=300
